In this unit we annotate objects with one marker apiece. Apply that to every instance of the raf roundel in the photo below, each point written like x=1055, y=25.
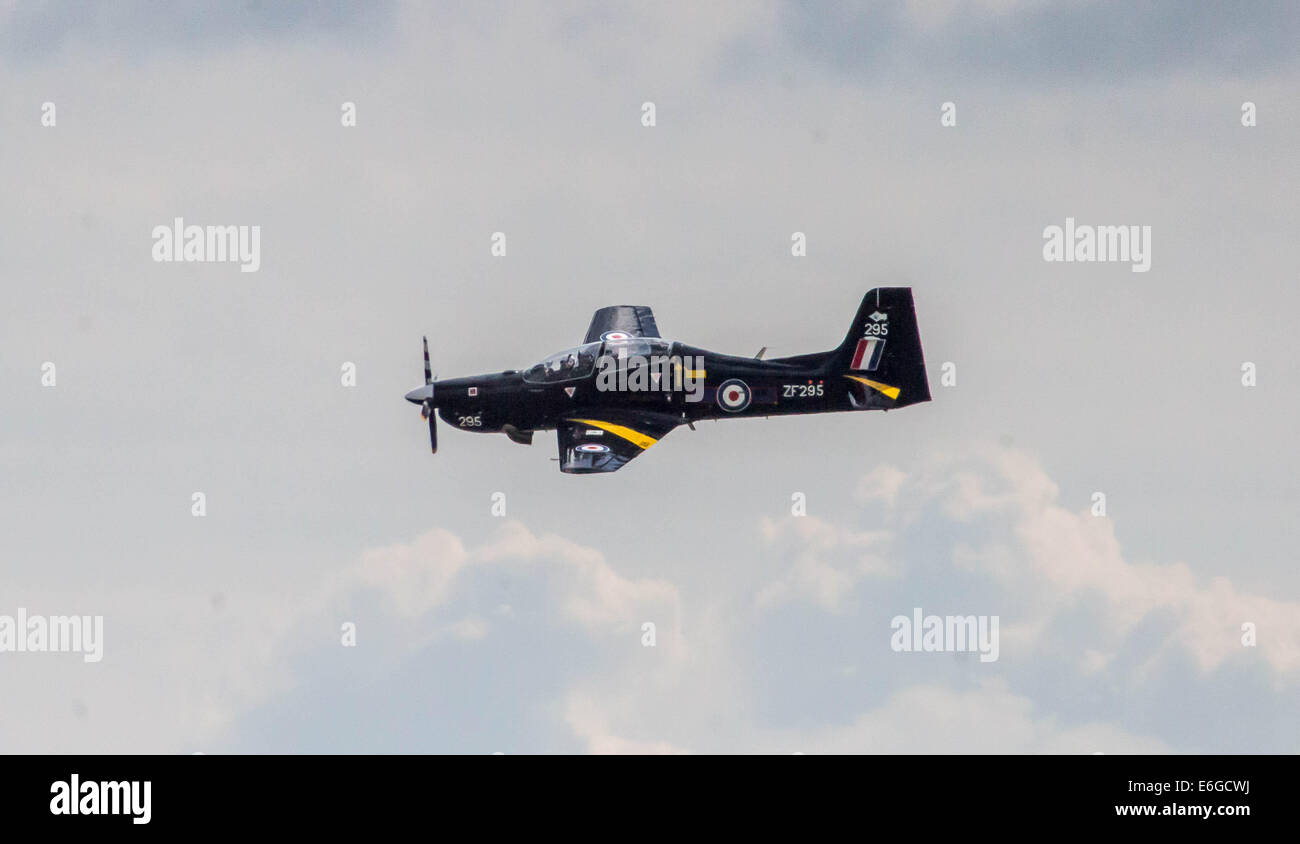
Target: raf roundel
x=616, y=337
x=733, y=395
x=593, y=448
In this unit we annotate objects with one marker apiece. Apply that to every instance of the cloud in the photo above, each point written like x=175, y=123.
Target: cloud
x=256, y=649
x=1049, y=563
x=1036, y=44
x=881, y=484
x=419, y=576
x=699, y=697
x=593, y=594
x=41, y=31
x=922, y=718
x=828, y=561
x=987, y=719
x=1049, y=560
x=1064, y=558
x=588, y=723
x=416, y=576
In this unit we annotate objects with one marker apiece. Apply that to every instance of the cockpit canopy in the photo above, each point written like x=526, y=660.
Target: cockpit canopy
x=570, y=364
x=580, y=361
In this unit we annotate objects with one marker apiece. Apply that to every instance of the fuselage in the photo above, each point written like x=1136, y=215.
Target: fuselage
x=694, y=384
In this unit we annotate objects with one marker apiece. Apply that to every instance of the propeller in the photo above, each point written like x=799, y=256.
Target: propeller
x=423, y=396
x=426, y=409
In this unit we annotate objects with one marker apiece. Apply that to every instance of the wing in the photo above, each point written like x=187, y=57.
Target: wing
x=635, y=320
x=604, y=442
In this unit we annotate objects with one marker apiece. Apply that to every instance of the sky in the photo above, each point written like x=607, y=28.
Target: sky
x=770, y=556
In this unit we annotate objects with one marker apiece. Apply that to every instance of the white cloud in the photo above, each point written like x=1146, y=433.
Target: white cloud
x=987, y=719
x=592, y=593
x=416, y=576
x=1044, y=558
x=1050, y=559
x=585, y=718
x=246, y=651
x=925, y=718
x=828, y=561
x=1063, y=557
x=881, y=484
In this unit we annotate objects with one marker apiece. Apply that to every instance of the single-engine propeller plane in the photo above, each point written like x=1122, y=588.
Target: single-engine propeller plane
x=626, y=387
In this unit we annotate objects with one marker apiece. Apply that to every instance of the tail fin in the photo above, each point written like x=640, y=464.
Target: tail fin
x=882, y=354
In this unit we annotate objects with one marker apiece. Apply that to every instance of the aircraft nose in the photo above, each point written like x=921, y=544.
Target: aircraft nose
x=420, y=394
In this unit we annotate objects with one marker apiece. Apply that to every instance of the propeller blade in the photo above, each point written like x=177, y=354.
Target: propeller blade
x=423, y=396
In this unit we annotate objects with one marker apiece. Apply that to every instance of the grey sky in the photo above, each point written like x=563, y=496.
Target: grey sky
x=478, y=634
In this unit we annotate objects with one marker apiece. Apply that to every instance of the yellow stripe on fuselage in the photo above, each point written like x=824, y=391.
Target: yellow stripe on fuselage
x=635, y=437
x=697, y=374
x=892, y=392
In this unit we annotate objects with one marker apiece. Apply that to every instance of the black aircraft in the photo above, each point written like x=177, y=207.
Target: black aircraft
x=626, y=387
